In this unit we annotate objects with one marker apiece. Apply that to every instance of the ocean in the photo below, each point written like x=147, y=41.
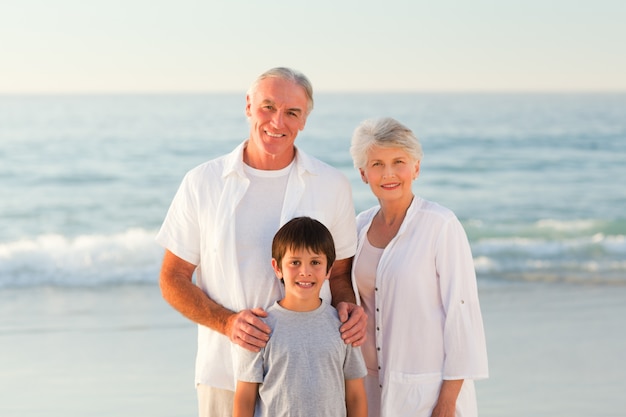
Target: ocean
x=536, y=179
x=86, y=180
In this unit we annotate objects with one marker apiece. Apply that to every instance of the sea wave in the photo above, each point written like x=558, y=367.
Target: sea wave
x=133, y=257
x=130, y=257
x=593, y=259
x=588, y=246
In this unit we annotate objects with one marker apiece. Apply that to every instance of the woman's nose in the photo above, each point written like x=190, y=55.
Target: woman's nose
x=388, y=172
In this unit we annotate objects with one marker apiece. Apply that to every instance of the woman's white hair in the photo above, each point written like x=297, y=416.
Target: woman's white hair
x=385, y=132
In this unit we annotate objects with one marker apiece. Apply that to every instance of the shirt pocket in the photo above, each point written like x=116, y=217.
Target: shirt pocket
x=410, y=394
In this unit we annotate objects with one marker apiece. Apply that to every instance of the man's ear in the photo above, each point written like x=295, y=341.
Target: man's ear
x=248, y=104
x=303, y=123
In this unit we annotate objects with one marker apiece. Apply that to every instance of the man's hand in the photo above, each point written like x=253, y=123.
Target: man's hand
x=247, y=330
x=354, y=322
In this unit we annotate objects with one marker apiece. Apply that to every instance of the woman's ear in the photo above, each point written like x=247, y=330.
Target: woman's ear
x=417, y=170
x=363, y=177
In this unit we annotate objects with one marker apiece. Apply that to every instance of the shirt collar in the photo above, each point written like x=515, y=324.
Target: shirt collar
x=234, y=162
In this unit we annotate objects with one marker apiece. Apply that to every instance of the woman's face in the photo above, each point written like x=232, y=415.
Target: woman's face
x=390, y=173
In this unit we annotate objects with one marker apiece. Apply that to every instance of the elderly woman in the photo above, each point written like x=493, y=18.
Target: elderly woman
x=416, y=281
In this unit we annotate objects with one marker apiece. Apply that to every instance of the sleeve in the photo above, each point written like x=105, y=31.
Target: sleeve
x=464, y=335
x=249, y=365
x=354, y=365
x=180, y=231
x=343, y=226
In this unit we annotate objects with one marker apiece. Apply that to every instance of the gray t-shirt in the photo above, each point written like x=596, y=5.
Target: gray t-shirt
x=303, y=368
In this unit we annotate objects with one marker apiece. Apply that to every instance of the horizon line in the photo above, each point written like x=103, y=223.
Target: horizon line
x=243, y=91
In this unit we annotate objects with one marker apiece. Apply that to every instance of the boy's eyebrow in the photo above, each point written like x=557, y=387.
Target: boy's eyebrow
x=313, y=255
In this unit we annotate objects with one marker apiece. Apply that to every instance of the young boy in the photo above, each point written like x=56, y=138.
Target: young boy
x=306, y=369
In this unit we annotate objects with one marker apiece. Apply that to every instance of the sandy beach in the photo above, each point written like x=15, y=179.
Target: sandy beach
x=554, y=349
x=97, y=352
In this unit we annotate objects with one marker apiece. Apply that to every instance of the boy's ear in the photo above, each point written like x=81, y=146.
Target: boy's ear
x=329, y=271
x=277, y=271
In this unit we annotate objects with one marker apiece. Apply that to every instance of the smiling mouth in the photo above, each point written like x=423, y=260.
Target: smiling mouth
x=390, y=185
x=304, y=284
x=274, y=135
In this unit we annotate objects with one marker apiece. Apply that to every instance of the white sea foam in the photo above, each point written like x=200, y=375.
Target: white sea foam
x=128, y=257
x=563, y=225
x=546, y=247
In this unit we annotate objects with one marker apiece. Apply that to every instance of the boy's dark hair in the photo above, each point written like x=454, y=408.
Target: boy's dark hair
x=304, y=233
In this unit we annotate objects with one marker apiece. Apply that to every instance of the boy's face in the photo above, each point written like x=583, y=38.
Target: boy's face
x=304, y=272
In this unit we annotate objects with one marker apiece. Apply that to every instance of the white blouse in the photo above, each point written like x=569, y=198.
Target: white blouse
x=427, y=315
x=365, y=270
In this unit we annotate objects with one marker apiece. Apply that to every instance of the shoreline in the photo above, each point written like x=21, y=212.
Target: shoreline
x=553, y=348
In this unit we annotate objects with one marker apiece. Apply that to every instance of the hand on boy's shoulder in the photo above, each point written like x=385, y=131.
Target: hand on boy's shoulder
x=354, y=322
x=248, y=330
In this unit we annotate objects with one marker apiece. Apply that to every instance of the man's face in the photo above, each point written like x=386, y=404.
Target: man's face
x=277, y=111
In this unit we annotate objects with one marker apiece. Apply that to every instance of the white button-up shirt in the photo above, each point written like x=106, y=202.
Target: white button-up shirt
x=428, y=321
x=200, y=228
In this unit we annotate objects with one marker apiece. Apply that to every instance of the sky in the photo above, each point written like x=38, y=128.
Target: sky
x=112, y=46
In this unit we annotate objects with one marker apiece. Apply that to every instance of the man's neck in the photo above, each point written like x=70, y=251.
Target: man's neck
x=268, y=162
